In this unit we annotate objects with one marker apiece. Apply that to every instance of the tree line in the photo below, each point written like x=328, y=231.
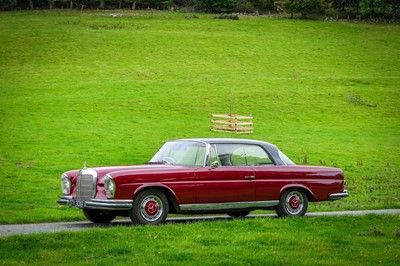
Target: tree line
x=387, y=9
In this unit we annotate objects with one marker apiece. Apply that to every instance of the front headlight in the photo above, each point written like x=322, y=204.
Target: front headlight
x=109, y=186
x=65, y=184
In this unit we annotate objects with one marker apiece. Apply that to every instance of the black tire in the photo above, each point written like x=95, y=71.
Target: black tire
x=238, y=214
x=292, y=203
x=99, y=216
x=149, y=207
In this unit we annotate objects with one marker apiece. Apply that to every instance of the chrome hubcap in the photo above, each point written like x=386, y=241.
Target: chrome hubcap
x=151, y=208
x=294, y=202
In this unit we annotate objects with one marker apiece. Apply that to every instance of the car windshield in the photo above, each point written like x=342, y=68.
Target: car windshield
x=181, y=152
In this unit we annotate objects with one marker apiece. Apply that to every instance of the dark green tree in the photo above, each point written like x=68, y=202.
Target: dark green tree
x=339, y=5
x=304, y=7
x=244, y=6
x=374, y=7
x=216, y=6
x=7, y=4
x=394, y=5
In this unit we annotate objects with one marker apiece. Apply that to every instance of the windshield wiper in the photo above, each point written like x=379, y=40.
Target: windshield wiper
x=157, y=162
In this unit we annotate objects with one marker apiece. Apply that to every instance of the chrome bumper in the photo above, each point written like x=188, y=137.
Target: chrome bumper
x=337, y=196
x=102, y=204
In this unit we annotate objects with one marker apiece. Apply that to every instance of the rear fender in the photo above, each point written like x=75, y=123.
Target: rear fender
x=310, y=194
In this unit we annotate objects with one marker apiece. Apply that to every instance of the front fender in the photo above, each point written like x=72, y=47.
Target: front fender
x=169, y=193
x=162, y=187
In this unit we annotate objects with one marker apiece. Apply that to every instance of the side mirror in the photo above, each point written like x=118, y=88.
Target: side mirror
x=214, y=164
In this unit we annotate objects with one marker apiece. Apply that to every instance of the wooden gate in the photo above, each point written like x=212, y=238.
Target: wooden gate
x=238, y=124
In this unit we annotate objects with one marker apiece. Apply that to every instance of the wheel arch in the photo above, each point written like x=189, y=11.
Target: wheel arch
x=169, y=194
x=305, y=189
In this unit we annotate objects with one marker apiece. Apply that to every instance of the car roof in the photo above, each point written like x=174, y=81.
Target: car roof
x=229, y=140
x=271, y=148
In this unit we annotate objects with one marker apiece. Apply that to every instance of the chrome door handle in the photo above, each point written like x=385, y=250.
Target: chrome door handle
x=250, y=177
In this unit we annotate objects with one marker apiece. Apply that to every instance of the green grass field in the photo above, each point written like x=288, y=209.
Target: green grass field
x=366, y=240
x=109, y=90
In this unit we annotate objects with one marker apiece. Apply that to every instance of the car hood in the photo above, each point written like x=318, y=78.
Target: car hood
x=132, y=169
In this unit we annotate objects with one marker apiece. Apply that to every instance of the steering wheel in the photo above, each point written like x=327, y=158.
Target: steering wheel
x=169, y=160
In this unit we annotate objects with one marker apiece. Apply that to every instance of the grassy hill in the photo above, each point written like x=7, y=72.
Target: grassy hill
x=109, y=90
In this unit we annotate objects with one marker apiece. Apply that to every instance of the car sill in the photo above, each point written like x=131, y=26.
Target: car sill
x=228, y=205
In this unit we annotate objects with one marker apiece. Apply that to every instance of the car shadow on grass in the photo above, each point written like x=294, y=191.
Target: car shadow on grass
x=184, y=220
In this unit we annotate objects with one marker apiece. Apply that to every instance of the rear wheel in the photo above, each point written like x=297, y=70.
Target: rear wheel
x=99, y=216
x=293, y=202
x=238, y=214
x=149, y=207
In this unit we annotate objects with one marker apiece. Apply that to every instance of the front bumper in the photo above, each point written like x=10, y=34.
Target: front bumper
x=101, y=204
x=337, y=196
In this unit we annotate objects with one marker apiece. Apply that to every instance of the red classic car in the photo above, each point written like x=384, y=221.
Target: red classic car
x=187, y=176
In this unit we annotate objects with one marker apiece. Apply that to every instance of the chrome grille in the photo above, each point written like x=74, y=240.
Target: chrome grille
x=85, y=187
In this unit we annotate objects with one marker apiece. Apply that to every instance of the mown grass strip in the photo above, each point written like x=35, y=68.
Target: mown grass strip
x=369, y=240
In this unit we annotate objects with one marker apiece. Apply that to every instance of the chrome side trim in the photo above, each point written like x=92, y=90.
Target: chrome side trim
x=102, y=204
x=127, y=204
x=337, y=196
x=228, y=205
x=109, y=204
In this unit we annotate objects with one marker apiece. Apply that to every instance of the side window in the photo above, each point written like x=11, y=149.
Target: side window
x=224, y=153
x=255, y=155
x=239, y=155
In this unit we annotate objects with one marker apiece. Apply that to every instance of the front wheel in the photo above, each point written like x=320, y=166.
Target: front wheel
x=292, y=203
x=149, y=207
x=99, y=216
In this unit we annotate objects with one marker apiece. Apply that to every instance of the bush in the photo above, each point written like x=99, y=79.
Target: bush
x=244, y=6
x=7, y=4
x=227, y=16
x=216, y=6
x=304, y=7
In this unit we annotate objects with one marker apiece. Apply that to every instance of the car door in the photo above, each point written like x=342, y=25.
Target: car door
x=231, y=181
x=266, y=177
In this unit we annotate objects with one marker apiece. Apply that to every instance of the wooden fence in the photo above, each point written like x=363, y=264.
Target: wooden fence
x=238, y=124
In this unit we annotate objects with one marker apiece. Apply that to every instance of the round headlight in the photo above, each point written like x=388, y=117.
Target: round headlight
x=65, y=184
x=109, y=186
